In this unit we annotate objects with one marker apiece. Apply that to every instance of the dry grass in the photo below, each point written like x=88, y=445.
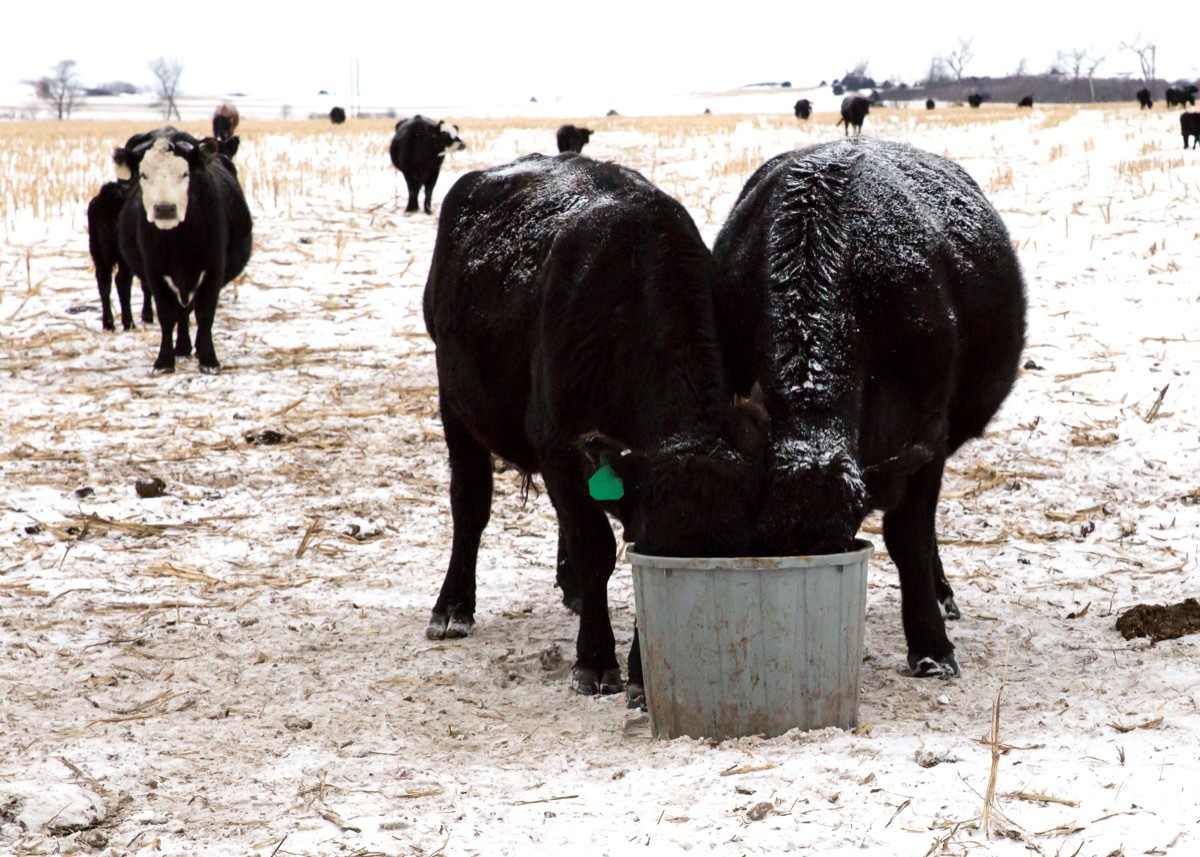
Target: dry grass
x=53, y=168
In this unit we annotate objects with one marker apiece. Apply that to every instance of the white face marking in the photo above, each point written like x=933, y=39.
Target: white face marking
x=164, y=180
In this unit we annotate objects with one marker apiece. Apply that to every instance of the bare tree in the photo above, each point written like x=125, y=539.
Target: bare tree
x=937, y=71
x=166, y=74
x=61, y=90
x=1146, y=54
x=957, y=60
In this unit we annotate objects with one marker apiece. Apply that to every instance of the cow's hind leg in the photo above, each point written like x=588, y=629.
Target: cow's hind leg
x=124, y=295
x=414, y=190
x=945, y=594
x=566, y=577
x=471, y=506
x=428, y=194
x=908, y=532
x=104, y=286
x=593, y=552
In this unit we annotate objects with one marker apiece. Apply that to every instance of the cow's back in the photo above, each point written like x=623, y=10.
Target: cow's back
x=550, y=291
x=235, y=214
x=103, y=217
x=414, y=150
x=938, y=281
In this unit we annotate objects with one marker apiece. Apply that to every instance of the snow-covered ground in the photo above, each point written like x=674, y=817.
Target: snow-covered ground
x=239, y=666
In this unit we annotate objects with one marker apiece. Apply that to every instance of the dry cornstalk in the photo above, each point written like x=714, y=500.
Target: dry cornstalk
x=314, y=529
x=1152, y=414
x=1041, y=797
x=989, y=797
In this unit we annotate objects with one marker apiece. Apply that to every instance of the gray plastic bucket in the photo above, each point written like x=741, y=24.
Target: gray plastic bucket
x=751, y=645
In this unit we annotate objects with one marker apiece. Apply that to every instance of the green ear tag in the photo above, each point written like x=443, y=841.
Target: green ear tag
x=605, y=484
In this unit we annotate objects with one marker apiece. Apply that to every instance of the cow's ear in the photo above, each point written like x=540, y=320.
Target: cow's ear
x=122, y=164
x=208, y=148
x=609, y=459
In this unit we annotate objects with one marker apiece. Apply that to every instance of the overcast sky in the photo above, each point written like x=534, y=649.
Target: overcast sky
x=467, y=50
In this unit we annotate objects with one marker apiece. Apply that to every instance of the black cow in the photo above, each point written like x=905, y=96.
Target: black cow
x=570, y=302
x=186, y=230
x=854, y=111
x=418, y=149
x=572, y=139
x=337, y=115
x=1027, y=101
x=1181, y=96
x=929, y=105
x=874, y=294
x=974, y=99
x=1144, y=99
x=103, y=217
x=225, y=121
x=1189, y=124
x=803, y=108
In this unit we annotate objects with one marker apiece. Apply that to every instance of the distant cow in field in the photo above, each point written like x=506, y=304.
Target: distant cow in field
x=854, y=111
x=418, y=148
x=103, y=219
x=225, y=121
x=186, y=231
x=1144, y=99
x=1181, y=96
x=929, y=105
x=1027, y=101
x=1189, y=124
x=803, y=108
x=570, y=303
x=337, y=116
x=572, y=139
x=974, y=99
x=874, y=294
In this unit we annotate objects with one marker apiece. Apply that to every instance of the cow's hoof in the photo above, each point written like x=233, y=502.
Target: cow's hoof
x=586, y=681
x=210, y=370
x=950, y=608
x=448, y=627
x=926, y=667
x=635, y=696
x=108, y=325
x=164, y=370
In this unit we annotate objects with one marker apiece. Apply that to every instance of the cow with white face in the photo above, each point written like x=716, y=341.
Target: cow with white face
x=186, y=230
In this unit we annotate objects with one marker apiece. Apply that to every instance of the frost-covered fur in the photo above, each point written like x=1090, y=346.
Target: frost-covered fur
x=873, y=293
x=571, y=305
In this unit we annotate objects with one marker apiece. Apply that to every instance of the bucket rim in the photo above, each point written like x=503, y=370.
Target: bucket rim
x=863, y=551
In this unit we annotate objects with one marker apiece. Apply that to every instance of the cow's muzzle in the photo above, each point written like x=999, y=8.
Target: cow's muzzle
x=166, y=211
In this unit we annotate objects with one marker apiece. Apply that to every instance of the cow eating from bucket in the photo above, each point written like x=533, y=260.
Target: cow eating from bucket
x=873, y=292
x=570, y=303
x=185, y=230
